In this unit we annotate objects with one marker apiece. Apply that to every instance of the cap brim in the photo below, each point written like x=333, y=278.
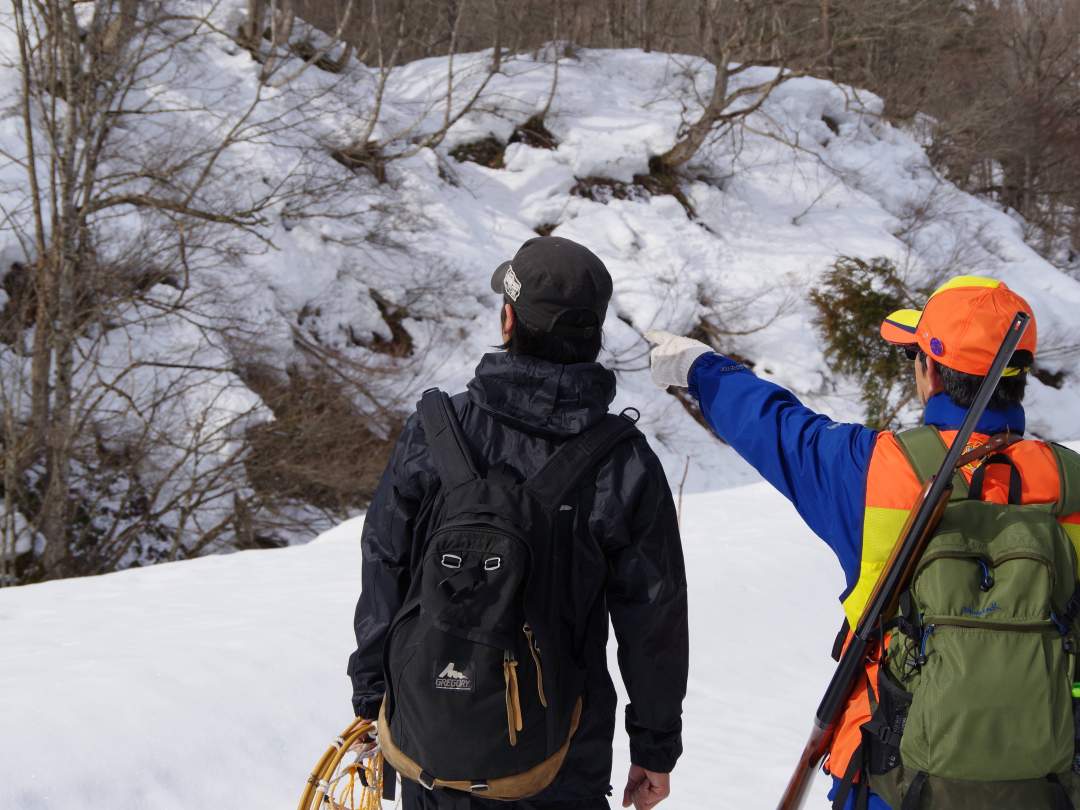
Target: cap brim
x=497, y=278
x=900, y=327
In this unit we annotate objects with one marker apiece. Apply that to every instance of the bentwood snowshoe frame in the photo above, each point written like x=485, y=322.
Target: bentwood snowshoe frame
x=357, y=784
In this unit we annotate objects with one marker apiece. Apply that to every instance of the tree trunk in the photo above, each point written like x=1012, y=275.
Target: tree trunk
x=11, y=483
x=66, y=251
x=41, y=354
x=496, y=56
x=282, y=21
x=39, y=363
x=1013, y=178
x=826, y=37
x=687, y=146
x=703, y=25
x=645, y=26
x=255, y=23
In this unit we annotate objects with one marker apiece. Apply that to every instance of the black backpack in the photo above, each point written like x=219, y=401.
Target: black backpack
x=484, y=680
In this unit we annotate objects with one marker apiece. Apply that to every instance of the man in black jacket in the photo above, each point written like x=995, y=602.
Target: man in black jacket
x=524, y=402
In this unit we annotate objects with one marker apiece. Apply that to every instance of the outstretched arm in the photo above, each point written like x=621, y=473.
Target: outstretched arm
x=818, y=464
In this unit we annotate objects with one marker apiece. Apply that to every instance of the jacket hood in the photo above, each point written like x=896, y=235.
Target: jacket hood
x=540, y=396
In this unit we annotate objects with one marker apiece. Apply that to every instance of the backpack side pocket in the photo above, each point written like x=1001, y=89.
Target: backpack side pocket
x=882, y=733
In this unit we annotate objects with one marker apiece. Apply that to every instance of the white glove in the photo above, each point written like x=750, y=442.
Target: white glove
x=672, y=358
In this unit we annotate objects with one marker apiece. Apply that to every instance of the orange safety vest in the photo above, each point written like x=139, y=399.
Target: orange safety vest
x=892, y=489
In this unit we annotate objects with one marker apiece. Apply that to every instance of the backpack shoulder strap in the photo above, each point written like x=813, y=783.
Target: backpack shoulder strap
x=1069, y=472
x=449, y=450
x=925, y=450
x=578, y=457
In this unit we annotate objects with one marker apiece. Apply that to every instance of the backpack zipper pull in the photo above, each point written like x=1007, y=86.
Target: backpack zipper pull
x=536, y=660
x=987, y=578
x=513, y=699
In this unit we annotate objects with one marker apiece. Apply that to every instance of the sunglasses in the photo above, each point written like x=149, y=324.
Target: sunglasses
x=911, y=352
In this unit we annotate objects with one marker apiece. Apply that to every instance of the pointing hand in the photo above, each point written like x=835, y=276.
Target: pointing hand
x=672, y=358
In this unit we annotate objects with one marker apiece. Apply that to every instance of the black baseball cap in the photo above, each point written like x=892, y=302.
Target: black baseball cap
x=550, y=276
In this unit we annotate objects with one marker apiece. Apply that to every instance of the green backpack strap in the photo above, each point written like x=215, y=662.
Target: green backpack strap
x=925, y=450
x=1069, y=504
x=1069, y=472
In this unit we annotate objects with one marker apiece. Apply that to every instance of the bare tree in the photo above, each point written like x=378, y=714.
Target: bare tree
x=733, y=30
x=130, y=200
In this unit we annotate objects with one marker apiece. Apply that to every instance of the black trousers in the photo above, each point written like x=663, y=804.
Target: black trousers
x=415, y=797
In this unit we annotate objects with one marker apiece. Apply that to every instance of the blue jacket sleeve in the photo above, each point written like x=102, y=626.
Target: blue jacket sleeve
x=818, y=464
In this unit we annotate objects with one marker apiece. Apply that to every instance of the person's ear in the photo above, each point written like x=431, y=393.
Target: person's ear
x=933, y=376
x=508, y=320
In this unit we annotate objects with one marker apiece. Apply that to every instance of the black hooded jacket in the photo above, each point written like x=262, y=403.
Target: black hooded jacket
x=518, y=410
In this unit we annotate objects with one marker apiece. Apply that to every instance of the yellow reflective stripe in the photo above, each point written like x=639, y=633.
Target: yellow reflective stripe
x=967, y=281
x=1073, y=530
x=905, y=318
x=881, y=529
x=856, y=601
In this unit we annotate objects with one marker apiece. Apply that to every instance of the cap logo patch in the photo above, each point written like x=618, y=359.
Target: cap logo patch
x=936, y=347
x=511, y=284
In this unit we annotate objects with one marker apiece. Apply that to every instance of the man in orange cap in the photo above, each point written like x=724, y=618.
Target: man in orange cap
x=855, y=486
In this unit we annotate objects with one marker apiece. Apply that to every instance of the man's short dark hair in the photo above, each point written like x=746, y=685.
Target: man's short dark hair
x=962, y=387
x=553, y=347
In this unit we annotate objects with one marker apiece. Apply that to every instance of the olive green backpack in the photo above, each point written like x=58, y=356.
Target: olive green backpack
x=974, y=706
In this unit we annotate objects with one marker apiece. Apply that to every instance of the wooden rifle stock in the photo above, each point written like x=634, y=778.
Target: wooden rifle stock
x=896, y=576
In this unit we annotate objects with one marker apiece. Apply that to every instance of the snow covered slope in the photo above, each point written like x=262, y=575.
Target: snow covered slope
x=814, y=174
x=218, y=682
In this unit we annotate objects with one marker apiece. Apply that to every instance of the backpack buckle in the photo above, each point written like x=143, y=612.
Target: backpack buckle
x=451, y=561
x=493, y=563
x=887, y=736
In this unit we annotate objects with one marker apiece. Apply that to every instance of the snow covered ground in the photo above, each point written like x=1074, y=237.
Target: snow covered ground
x=218, y=682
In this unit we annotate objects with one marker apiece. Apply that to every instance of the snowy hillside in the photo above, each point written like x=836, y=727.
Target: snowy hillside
x=766, y=207
x=220, y=681
x=815, y=174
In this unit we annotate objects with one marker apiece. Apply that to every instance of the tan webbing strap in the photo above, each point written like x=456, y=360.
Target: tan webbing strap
x=519, y=786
